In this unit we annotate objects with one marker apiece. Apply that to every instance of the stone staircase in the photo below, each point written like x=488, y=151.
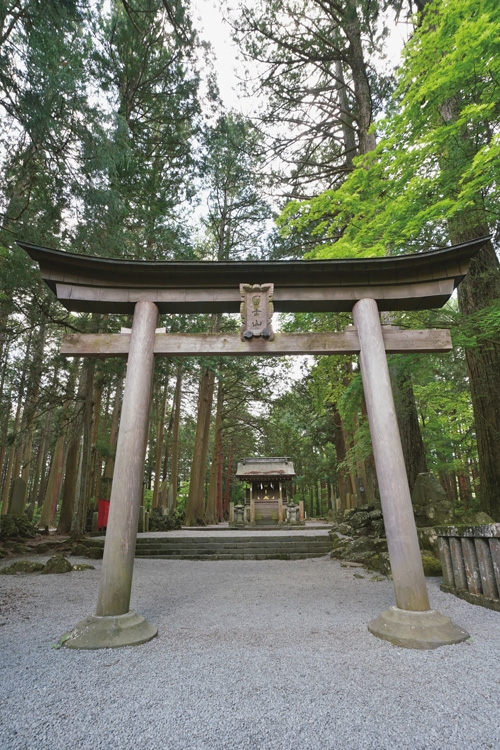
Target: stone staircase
x=295, y=546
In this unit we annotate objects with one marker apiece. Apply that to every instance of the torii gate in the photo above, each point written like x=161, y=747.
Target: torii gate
x=364, y=286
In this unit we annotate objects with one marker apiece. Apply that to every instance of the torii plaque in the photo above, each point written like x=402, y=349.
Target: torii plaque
x=257, y=311
x=363, y=286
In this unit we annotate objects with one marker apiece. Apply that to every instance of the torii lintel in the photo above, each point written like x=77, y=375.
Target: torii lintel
x=419, y=281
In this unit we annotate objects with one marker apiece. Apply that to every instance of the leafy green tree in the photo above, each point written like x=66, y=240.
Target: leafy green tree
x=99, y=118
x=435, y=161
x=232, y=170
x=427, y=182
x=44, y=100
x=141, y=162
x=295, y=428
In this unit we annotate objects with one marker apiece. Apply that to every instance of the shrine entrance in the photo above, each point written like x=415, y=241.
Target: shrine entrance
x=268, y=490
x=365, y=287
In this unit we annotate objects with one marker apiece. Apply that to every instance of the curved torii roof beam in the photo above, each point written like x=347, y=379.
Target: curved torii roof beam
x=107, y=285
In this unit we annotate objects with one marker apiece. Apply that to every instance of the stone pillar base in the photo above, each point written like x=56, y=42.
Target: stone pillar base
x=422, y=630
x=110, y=632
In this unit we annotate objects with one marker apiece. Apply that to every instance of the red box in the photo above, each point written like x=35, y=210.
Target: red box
x=102, y=514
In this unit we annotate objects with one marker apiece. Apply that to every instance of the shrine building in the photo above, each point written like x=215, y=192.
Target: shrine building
x=269, y=488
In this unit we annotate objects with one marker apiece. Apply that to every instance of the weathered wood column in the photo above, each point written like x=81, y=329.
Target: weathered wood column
x=252, y=504
x=412, y=622
x=113, y=620
x=402, y=540
x=128, y=476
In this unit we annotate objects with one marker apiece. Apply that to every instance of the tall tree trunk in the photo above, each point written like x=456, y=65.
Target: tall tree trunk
x=53, y=484
x=481, y=287
x=3, y=439
x=363, y=488
x=464, y=489
x=160, y=433
x=218, y=502
x=33, y=392
x=45, y=470
x=98, y=481
x=113, y=439
x=408, y=423
x=195, y=501
x=361, y=83
x=348, y=443
x=41, y=457
x=56, y=467
x=10, y=463
x=167, y=450
x=227, y=489
x=80, y=514
x=5, y=310
x=449, y=483
x=72, y=456
x=343, y=478
x=69, y=487
x=211, y=509
x=174, y=472
x=95, y=459
x=348, y=132
x=369, y=474
x=206, y=437
x=13, y=452
x=3, y=446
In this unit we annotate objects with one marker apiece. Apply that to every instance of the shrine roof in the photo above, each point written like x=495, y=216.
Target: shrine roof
x=265, y=468
x=86, y=283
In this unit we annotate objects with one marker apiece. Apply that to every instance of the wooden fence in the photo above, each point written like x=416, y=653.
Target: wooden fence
x=470, y=556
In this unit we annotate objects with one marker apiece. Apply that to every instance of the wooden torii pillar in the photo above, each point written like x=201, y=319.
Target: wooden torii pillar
x=364, y=287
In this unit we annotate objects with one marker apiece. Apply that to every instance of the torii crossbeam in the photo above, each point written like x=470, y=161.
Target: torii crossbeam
x=364, y=287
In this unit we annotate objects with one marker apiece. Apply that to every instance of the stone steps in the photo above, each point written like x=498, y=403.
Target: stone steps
x=291, y=547
x=234, y=556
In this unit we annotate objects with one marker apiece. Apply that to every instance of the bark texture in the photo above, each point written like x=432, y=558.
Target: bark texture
x=480, y=287
x=409, y=426
x=196, y=500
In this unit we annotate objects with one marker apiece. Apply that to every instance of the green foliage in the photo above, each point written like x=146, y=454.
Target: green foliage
x=60, y=643
x=238, y=494
x=295, y=428
x=480, y=327
x=147, y=499
x=182, y=497
x=140, y=162
x=237, y=209
x=437, y=157
x=330, y=375
x=441, y=389
x=44, y=101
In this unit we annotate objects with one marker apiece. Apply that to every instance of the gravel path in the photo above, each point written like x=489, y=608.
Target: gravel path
x=250, y=654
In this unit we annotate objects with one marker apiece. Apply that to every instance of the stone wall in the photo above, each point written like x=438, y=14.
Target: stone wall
x=431, y=508
x=359, y=537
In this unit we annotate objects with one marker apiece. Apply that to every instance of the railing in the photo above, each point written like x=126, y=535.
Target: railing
x=470, y=557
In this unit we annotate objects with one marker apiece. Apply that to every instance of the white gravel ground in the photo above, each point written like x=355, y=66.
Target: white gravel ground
x=250, y=654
